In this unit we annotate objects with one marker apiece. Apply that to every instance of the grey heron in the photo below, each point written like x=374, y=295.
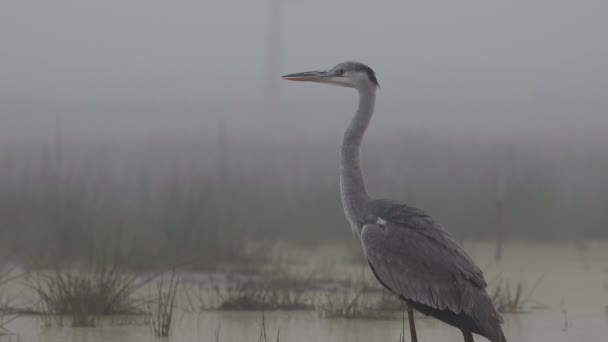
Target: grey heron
x=410, y=254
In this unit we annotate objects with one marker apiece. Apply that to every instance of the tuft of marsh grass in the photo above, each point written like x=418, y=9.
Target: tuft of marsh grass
x=265, y=293
x=161, y=309
x=361, y=302
x=101, y=287
x=251, y=295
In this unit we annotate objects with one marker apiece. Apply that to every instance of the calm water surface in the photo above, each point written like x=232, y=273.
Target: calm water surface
x=572, y=289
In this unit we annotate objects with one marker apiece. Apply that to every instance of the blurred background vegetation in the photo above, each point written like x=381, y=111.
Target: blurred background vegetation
x=222, y=197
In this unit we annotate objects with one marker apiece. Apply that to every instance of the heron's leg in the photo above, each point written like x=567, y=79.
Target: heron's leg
x=468, y=336
x=410, y=317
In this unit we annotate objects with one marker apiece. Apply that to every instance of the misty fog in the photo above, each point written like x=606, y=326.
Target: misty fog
x=163, y=128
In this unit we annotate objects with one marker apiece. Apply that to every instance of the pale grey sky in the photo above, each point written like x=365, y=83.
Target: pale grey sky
x=468, y=59
x=108, y=47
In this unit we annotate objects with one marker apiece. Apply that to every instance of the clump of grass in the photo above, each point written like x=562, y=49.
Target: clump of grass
x=364, y=302
x=73, y=294
x=508, y=299
x=242, y=295
x=85, y=293
x=273, y=293
x=160, y=310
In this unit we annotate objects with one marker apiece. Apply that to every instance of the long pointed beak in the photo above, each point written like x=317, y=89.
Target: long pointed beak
x=311, y=76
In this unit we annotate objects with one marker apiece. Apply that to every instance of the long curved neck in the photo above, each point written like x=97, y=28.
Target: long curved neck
x=352, y=187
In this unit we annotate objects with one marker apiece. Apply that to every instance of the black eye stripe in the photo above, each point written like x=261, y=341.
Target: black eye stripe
x=356, y=67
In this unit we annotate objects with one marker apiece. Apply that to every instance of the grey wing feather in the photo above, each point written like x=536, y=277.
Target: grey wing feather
x=426, y=267
x=415, y=267
x=417, y=259
x=429, y=240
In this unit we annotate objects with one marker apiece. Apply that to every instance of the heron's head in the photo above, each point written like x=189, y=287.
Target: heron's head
x=348, y=74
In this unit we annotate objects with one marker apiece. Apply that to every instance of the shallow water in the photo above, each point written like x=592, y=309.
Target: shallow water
x=572, y=289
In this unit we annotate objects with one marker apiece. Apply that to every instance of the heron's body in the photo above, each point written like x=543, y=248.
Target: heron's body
x=409, y=253
x=406, y=251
